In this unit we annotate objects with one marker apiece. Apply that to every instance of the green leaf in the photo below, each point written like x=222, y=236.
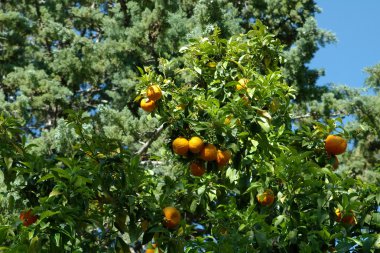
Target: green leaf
x=193, y=205
x=46, y=177
x=253, y=186
x=198, y=70
x=47, y=214
x=54, y=192
x=264, y=124
x=201, y=190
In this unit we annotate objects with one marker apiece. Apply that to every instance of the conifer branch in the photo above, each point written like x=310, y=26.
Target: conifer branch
x=154, y=136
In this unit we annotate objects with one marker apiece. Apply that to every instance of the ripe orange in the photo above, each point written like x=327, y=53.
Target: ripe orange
x=153, y=249
x=28, y=218
x=147, y=105
x=223, y=157
x=348, y=218
x=242, y=84
x=209, y=153
x=180, y=146
x=266, y=198
x=196, y=144
x=172, y=217
x=335, y=145
x=154, y=92
x=197, y=169
x=338, y=214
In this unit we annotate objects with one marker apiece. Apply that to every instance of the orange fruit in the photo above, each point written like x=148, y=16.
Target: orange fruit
x=209, y=153
x=153, y=249
x=197, y=169
x=338, y=214
x=223, y=157
x=180, y=146
x=154, y=92
x=180, y=107
x=242, y=84
x=266, y=198
x=227, y=120
x=348, y=218
x=335, y=145
x=196, y=144
x=172, y=217
x=147, y=105
x=28, y=218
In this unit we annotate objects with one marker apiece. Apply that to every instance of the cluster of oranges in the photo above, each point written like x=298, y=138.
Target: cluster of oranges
x=336, y=145
x=206, y=152
x=153, y=94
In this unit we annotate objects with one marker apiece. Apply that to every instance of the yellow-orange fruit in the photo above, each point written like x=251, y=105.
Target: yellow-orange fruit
x=153, y=249
x=197, y=169
x=147, y=105
x=338, y=214
x=227, y=120
x=223, y=157
x=242, y=84
x=195, y=144
x=180, y=146
x=349, y=219
x=335, y=145
x=209, y=153
x=266, y=198
x=154, y=92
x=172, y=217
x=346, y=219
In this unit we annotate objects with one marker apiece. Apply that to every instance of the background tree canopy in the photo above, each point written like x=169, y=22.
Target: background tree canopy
x=96, y=170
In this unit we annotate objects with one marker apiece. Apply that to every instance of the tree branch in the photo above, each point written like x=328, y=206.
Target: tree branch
x=124, y=9
x=314, y=114
x=154, y=136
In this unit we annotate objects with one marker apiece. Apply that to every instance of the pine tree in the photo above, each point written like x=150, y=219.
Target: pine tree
x=58, y=55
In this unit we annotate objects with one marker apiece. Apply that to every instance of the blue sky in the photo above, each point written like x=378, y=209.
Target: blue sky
x=357, y=28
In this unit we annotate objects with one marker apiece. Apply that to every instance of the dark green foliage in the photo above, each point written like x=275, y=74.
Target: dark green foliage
x=68, y=54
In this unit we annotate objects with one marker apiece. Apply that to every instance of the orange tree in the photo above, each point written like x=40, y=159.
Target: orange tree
x=278, y=192
x=235, y=177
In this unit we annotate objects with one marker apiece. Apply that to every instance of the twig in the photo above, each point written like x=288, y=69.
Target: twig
x=154, y=163
x=154, y=136
x=315, y=114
